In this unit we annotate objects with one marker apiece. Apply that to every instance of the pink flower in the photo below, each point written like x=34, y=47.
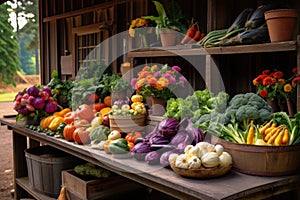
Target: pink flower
x=176, y=68
x=156, y=74
x=133, y=82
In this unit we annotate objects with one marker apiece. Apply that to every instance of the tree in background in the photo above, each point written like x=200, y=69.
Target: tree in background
x=9, y=62
x=30, y=8
x=25, y=55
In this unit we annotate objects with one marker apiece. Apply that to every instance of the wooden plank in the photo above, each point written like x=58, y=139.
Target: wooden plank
x=88, y=29
x=83, y=11
x=24, y=183
x=188, y=51
x=230, y=186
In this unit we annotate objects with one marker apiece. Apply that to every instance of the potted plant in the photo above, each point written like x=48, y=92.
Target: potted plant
x=168, y=25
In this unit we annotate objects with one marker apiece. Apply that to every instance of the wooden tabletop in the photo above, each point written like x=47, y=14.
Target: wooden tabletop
x=233, y=185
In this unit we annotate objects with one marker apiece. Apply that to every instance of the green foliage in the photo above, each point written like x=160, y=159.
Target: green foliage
x=9, y=62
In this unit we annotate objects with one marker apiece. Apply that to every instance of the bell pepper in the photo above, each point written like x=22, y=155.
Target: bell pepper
x=118, y=146
x=130, y=137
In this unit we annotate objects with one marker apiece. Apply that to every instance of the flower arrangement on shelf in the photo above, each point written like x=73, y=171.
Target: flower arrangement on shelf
x=34, y=103
x=274, y=86
x=158, y=81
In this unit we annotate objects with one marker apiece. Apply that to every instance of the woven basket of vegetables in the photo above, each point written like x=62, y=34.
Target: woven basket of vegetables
x=127, y=123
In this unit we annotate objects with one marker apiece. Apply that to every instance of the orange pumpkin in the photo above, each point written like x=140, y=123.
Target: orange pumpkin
x=84, y=111
x=98, y=106
x=130, y=137
x=68, y=132
x=81, y=123
x=81, y=136
x=107, y=101
x=69, y=117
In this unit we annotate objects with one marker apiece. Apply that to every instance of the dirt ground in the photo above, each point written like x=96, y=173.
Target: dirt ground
x=6, y=165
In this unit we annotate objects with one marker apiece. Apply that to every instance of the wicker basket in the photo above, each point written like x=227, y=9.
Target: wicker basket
x=202, y=173
x=127, y=123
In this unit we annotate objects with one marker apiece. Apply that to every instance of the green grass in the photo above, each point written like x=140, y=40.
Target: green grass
x=7, y=97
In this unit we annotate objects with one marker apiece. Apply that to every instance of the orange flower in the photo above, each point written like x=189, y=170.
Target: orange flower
x=152, y=82
x=153, y=68
x=281, y=80
x=259, y=79
x=267, y=72
x=143, y=74
x=288, y=87
x=163, y=81
x=158, y=86
x=145, y=68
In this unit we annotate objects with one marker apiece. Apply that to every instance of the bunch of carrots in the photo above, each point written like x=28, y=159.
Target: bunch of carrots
x=193, y=34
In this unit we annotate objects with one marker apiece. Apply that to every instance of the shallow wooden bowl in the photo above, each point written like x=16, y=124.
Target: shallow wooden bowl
x=202, y=173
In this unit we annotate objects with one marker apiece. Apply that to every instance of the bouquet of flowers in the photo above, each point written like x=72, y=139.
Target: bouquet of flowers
x=273, y=85
x=34, y=103
x=158, y=81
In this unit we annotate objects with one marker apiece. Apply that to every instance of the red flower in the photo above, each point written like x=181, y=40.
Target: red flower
x=259, y=79
x=269, y=81
x=267, y=72
x=263, y=93
x=295, y=70
x=278, y=74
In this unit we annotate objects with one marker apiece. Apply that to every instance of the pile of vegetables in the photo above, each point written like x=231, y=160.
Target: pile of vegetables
x=202, y=155
x=169, y=136
x=248, y=28
x=91, y=170
x=122, y=107
x=200, y=103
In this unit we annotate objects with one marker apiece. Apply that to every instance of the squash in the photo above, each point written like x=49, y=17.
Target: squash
x=182, y=161
x=105, y=111
x=68, y=132
x=69, y=117
x=114, y=135
x=194, y=162
x=64, y=111
x=44, y=124
x=172, y=158
x=137, y=98
x=210, y=159
x=81, y=136
x=225, y=159
x=107, y=101
x=84, y=111
x=55, y=123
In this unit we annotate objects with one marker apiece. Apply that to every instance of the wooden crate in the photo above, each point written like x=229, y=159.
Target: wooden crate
x=80, y=188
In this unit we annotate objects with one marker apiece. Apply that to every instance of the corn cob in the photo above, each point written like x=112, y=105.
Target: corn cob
x=241, y=19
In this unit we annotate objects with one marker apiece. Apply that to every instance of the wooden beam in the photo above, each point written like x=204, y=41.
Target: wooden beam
x=84, y=10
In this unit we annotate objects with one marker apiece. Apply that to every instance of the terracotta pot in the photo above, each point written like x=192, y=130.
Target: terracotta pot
x=274, y=105
x=157, y=106
x=281, y=24
x=291, y=108
x=168, y=37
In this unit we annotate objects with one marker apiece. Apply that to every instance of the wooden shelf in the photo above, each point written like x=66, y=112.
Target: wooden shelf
x=24, y=183
x=193, y=50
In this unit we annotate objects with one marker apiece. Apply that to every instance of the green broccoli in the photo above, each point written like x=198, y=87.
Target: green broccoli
x=247, y=107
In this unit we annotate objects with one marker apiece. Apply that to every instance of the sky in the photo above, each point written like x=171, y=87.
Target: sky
x=22, y=21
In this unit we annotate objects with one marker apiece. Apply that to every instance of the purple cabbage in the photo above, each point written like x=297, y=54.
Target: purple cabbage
x=159, y=139
x=51, y=107
x=152, y=158
x=140, y=150
x=196, y=133
x=153, y=133
x=23, y=110
x=168, y=127
x=39, y=103
x=33, y=91
x=181, y=140
x=48, y=90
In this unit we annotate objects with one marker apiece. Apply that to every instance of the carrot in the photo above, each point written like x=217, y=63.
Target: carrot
x=250, y=134
x=189, y=34
x=196, y=37
x=271, y=133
